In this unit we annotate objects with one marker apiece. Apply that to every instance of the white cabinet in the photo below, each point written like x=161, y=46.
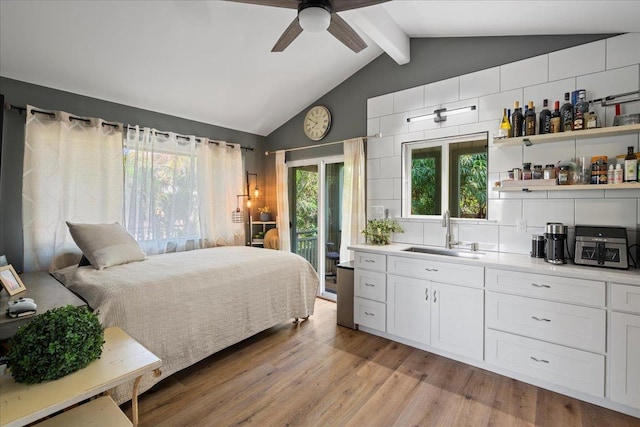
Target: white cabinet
x=625, y=345
x=408, y=314
x=370, y=285
x=457, y=315
x=439, y=315
x=442, y=272
x=369, y=313
x=370, y=290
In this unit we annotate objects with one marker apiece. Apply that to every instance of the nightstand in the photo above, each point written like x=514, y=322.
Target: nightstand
x=45, y=290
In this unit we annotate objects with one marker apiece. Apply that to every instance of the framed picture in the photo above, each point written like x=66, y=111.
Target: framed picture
x=10, y=280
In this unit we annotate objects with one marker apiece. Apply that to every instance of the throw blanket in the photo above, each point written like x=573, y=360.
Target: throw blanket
x=186, y=306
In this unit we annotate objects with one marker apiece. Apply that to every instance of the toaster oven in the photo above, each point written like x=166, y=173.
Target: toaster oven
x=601, y=246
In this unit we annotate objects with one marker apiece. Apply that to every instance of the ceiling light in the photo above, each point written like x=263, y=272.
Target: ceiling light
x=440, y=115
x=314, y=19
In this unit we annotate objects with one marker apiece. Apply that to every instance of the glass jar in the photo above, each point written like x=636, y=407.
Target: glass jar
x=537, y=172
x=564, y=175
x=549, y=172
x=526, y=171
x=599, y=170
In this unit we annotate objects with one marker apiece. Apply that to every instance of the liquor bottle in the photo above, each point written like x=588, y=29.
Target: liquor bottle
x=517, y=122
x=566, y=114
x=505, y=127
x=555, y=118
x=581, y=111
x=592, y=117
x=545, y=118
x=630, y=166
x=510, y=124
x=530, y=120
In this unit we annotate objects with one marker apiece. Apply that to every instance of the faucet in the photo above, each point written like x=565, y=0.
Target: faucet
x=446, y=222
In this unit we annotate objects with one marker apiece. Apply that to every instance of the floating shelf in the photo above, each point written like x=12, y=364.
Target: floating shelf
x=577, y=187
x=563, y=136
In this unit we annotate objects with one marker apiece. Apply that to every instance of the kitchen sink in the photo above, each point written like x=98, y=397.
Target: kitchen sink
x=460, y=253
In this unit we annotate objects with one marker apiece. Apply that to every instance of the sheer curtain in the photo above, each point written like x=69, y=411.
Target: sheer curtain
x=160, y=190
x=353, y=196
x=72, y=172
x=219, y=182
x=282, y=201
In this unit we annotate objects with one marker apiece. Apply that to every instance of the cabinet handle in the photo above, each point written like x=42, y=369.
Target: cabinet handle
x=431, y=269
x=368, y=284
x=369, y=260
x=540, y=286
x=369, y=314
x=540, y=319
x=539, y=360
x=426, y=294
x=435, y=296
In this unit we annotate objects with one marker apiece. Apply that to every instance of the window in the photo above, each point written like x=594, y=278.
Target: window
x=450, y=172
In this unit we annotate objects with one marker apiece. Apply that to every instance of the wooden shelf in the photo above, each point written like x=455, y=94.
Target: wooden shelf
x=563, y=136
x=579, y=187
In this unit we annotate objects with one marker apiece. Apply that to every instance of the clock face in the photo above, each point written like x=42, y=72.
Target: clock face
x=317, y=122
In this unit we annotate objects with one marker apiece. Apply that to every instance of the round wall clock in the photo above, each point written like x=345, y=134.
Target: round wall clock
x=317, y=122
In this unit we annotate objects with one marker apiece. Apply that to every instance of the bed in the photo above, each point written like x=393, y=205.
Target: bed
x=186, y=306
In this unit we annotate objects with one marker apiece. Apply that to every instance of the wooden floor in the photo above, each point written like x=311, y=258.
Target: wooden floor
x=317, y=374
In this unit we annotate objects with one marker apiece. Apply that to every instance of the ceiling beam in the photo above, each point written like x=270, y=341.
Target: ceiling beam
x=383, y=30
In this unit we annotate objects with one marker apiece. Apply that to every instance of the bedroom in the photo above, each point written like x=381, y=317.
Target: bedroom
x=347, y=97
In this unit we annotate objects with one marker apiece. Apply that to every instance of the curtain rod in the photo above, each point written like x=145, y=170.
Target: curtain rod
x=82, y=119
x=286, y=150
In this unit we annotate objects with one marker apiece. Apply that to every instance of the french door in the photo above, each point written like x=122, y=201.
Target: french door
x=315, y=209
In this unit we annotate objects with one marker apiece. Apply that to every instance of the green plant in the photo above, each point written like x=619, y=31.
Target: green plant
x=378, y=231
x=266, y=209
x=54, y=344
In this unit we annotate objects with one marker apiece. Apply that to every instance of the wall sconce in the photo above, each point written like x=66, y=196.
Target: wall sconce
x=238, y=214
x=256, y=190
x=440, y=115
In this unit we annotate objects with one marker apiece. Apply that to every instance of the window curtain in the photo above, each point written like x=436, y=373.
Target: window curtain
x=219, y=182
x=353, y=197
x=282, y=201
x=72, y=172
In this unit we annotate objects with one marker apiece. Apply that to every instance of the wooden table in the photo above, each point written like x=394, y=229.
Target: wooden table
x=123, y=359
x=45, y=290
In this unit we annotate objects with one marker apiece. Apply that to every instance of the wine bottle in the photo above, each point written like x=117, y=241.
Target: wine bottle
x=555, y=118
x=505, y=127
x=530, y=120
x=510, y=124
x=517, y=122
x=630, y=166
x=581, y=111
x=545, y=118
x=566, y=114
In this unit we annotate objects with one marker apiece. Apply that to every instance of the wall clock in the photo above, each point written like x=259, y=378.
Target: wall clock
x=317, y=122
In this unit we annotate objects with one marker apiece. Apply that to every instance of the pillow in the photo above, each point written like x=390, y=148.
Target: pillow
x=106, y=245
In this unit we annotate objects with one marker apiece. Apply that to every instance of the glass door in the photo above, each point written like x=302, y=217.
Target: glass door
x=315, y=194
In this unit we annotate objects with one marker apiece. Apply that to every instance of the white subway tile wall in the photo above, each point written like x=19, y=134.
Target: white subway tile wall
x=602, y=68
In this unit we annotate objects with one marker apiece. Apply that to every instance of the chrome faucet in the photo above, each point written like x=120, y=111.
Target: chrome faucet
x=446, y=222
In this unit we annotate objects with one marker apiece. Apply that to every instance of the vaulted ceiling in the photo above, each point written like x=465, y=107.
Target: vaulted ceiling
x=211, y=61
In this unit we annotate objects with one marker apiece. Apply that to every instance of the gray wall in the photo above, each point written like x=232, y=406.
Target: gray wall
x=432, y=60
x=20, y=94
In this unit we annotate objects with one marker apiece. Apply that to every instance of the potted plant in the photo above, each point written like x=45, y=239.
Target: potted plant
x=378, y=231
x=265, y=214
x=54, y=344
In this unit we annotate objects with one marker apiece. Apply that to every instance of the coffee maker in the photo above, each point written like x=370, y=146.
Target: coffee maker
x=556, y=237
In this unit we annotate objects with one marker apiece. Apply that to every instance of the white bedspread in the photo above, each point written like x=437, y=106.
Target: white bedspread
x=186, y=306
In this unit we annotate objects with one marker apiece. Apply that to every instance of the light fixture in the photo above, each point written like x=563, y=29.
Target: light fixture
x=440, y=115
x=238, y=215
x=256, y=190
x=314, y=16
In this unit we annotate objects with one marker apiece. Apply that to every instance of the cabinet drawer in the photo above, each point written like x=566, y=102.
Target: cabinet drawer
x=369, y=313
x=371, y=285
x=572, y=325
x=368, y=261
x=625, y=298
x=443, y=272
x=562, y=289
x=567, y=367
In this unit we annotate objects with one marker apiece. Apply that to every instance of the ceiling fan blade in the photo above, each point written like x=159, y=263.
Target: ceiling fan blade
x=293, y=30
x=289, y=4
x=347, y=35
x=341, y=5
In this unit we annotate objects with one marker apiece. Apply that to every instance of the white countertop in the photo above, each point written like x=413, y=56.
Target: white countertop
x=516, y=262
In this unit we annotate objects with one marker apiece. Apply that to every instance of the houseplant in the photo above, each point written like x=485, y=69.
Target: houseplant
x=265, y=213
x=378, y=231
x=54, y=344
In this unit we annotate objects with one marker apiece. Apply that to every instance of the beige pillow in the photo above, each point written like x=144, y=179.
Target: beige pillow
x=106, y=245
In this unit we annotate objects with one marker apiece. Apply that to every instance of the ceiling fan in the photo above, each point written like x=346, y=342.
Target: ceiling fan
x=316, y=16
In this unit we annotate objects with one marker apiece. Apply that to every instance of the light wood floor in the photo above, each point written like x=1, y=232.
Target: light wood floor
x=318, y=374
